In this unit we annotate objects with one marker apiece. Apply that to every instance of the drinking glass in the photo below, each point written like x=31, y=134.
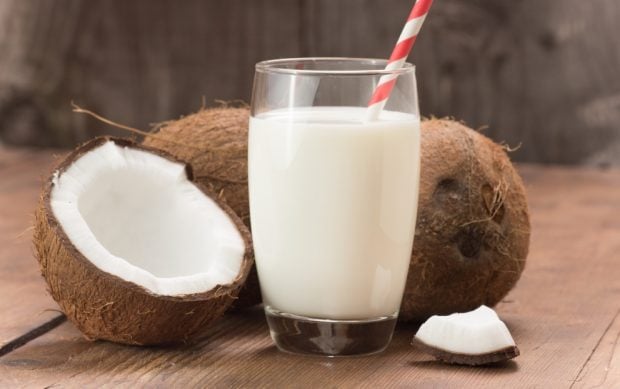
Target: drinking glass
x=333, y=201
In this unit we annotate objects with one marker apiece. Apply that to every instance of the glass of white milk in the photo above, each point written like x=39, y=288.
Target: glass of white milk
x=333, y=201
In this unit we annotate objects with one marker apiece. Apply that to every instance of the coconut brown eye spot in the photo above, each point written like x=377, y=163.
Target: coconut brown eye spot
x=469, y=242
x=448, y=190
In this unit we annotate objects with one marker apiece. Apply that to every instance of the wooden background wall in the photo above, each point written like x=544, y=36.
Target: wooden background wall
x=541, y=73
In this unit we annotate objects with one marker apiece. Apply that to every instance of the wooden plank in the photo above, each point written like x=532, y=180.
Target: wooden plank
x=603, y=368
x=526, y=69
x=540, y=72
x=136, y=62
x=518, y=66
x=352, y=28
x=248, y=359
x=24, y=303
x=565, y=303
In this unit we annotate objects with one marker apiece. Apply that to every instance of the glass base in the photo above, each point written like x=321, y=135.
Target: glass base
x=331, y=338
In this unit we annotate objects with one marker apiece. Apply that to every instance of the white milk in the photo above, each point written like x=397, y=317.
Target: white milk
x=333, y=208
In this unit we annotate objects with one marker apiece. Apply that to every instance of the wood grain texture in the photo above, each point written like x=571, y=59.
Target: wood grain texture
x=24, y=302
x=136, y=62
x=541, y=73
x=565, y=306
x=602, y=370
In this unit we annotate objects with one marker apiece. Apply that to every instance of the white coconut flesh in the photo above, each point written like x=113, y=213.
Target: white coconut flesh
x=477, y=332
x=136, y=215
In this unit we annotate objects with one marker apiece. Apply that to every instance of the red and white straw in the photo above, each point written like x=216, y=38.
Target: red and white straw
x=398, y=58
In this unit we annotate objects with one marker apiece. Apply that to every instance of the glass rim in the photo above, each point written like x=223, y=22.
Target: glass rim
x=277, y=66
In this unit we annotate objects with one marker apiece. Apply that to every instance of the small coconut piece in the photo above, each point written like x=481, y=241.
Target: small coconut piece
x=477, y=337
x=133, y=250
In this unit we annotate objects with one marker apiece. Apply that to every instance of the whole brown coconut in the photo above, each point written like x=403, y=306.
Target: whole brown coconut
x=472, y=232
x=215, y=142
x=104, y=306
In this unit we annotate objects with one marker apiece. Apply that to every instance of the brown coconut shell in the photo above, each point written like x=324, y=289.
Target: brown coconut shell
x=215, y=142
x=498, y=356
x=104, y=306
x=472, y=233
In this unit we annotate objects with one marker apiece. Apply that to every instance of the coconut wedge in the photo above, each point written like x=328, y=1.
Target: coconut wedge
x=133, y=250
x=478, y=337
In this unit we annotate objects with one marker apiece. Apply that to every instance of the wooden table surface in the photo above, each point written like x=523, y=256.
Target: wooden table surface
x=563, y=313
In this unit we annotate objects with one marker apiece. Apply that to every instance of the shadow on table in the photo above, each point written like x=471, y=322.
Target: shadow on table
x=507, y=367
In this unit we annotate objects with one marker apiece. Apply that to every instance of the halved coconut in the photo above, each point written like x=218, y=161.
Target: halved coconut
x=477, y=337
x=133, y=250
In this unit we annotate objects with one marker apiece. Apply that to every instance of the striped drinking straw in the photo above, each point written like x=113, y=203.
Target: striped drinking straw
x=397, y=59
